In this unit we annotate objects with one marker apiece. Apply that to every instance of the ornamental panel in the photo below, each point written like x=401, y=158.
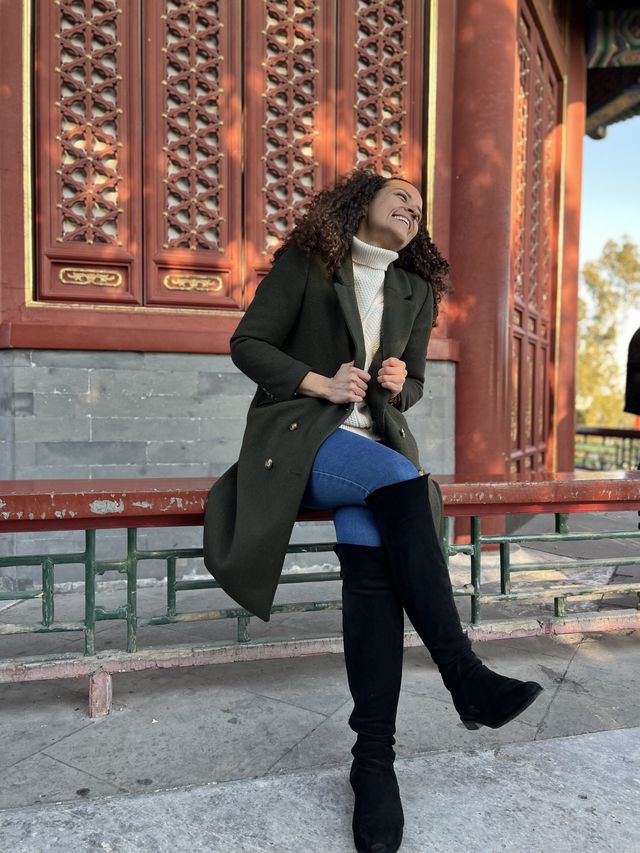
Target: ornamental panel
x=87, y=149
x=290, y=98
x=192, y=148
x=381, y=98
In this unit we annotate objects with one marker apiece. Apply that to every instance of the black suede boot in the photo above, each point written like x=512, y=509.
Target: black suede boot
x=373, y=629
x=421, y=576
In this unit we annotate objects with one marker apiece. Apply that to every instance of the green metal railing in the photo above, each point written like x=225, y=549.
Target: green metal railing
x=605, y=449
x=477, y=593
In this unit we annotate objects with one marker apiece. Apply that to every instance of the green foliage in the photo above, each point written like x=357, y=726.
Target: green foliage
x=611, y=289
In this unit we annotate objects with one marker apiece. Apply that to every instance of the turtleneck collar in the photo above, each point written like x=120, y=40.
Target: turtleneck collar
x=371, y=256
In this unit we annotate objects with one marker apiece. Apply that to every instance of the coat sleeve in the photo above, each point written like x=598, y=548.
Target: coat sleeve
x=415, y=354
x=256, y=346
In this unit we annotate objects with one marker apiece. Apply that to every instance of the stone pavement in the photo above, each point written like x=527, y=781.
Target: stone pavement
x=254, y=756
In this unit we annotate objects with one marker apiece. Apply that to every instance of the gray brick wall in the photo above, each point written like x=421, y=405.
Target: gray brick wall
x=68, y=414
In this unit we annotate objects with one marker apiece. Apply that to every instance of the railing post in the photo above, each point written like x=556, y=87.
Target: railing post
x=171, y=586
x=505, y=568
x=100, y=695
x=561, y=522
x=90, y=592
x=132, y=588
x=47, y=591
x=243, y=629
x=476, y=569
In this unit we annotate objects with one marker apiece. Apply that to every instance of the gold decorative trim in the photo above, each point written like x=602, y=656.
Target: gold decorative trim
x=431, y=113
x=89, y=276
x=197, y=283
x=560, y=260
x=27, y=165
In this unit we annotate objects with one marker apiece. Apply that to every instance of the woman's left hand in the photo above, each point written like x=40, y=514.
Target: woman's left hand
x=392, y=375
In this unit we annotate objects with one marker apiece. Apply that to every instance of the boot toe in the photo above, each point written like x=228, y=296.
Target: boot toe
x=378, y=819
x=378, y=837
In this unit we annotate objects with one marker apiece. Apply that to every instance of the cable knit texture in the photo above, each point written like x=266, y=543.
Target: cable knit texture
x=369, y=266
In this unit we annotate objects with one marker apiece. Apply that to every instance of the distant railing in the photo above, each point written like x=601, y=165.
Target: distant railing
x=604, y=449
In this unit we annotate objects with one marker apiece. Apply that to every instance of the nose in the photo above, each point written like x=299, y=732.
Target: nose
x=413, y=210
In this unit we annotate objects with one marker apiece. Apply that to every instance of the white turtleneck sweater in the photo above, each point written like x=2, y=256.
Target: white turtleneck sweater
x=369, y=266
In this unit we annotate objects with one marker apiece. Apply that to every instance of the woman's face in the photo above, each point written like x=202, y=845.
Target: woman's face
x=393, y=215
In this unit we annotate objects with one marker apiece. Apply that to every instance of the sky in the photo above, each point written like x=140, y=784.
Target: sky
x=610, y=188
x=611, y=202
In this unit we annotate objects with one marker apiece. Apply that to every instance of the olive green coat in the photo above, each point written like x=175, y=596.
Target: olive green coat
x=303, y=319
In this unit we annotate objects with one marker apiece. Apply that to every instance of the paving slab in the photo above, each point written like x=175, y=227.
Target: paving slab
x=569, y=795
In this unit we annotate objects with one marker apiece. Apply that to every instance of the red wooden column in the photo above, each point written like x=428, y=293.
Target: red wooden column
x=563, y=372
x=482, y=163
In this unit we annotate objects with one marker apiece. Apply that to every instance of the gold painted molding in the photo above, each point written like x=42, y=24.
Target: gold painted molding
x=90, y=275
x=198, y=283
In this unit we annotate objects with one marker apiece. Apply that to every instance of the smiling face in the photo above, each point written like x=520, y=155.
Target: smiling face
x=393, y=216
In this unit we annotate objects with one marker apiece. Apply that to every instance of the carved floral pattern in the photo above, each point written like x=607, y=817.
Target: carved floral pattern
x=89, y=115
x=290, y=98
x=192, y=124
x=380, y=84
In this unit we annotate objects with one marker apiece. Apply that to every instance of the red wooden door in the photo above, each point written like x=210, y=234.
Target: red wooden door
x=534, y=269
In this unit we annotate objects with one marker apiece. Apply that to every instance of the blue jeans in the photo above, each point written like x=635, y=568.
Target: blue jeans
x=347, y=468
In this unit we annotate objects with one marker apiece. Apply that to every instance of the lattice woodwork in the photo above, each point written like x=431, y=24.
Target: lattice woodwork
x=192, y=145
x=533, y=262
x=380, y=83
x=87, y=149
x=290, y=101
x=88, y=143
x=192, y=125
x=535, y=186
x=521, y=162
x=218, y=194
x=290, y=109
x=384, y=87
x=551, y=107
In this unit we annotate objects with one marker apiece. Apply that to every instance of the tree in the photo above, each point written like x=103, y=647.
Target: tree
x=611, y=290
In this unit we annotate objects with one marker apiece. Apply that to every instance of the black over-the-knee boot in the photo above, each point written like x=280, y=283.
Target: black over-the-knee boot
x=421, y=576
x=373, y=628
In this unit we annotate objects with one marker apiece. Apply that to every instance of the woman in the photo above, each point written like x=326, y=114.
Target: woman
x=336, y=340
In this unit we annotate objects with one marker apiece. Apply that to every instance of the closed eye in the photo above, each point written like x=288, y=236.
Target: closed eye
x=404, y=196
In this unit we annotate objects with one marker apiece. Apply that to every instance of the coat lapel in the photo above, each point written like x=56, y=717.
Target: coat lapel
x=398, y=314
x=345, y=290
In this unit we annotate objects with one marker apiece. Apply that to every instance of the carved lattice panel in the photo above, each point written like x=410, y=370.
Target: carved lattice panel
x=382, y=94
x=290, y=97
x=538, y=120
x=88, y=150
x=243, y=111
x=192, y=149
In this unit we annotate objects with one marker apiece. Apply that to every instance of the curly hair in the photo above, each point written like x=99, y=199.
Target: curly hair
x=333, y=216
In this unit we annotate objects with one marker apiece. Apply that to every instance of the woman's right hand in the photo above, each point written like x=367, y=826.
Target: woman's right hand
x=349, y=385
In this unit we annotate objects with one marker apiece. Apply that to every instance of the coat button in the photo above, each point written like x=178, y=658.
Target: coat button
x=268, y=463
x=402, y=433
x=293, y=426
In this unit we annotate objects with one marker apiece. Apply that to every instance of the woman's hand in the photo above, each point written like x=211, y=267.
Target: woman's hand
x=349, y=385
x=392, y=375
